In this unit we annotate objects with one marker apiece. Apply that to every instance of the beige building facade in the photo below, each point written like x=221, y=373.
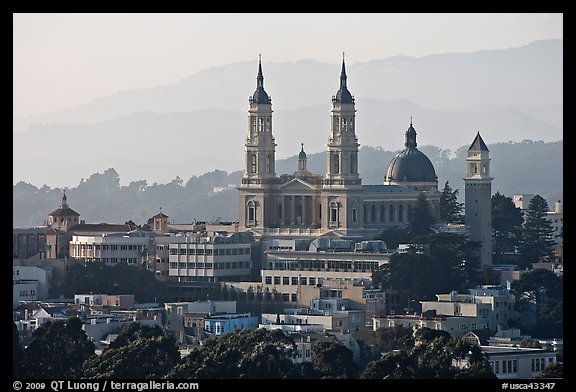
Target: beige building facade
x=335, y=203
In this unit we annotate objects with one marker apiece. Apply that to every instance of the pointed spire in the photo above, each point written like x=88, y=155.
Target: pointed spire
x=260, y=77
x=343, y=76
x=478, y=144
x=260, y=96
x=410, y=136
x=343, y=95
x=302, y=154
x=64, y=200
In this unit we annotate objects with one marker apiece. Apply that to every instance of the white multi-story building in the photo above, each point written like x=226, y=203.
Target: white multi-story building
x=515, y=362
x=29, y=284
x=288, y=271
x=454, y=325
x=131, y=247
x=200, y=258
x=493, y=307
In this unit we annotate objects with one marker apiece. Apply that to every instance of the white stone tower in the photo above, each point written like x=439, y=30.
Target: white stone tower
x=478, y=197
x=259, y=178
x=342, y=152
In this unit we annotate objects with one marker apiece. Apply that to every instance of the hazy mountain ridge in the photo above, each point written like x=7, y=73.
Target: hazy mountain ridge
x=160, y=147
x=101, y=198
x=526, y=75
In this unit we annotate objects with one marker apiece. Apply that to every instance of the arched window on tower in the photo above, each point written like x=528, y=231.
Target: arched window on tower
x=251, y=212
x=333, y=213
x=269, y=163
x=475, y=169
x=268, y=127
x=353, y=164
x=373, y=213
x=253, y=166
x=261, y=124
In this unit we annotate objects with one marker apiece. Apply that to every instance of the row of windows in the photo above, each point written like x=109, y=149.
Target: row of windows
x=508, y=366
x=314, y=265
x=26, y=293
x=109, y=247
x=216, y=266
x=113, y=260
x=293, y=280
x=539, y=364
x=210, y=252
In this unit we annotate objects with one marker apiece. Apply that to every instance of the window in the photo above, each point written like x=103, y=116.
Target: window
x=514, y=366
x=354, y=215
x=276, y=280
x=400, y=213
x=303, y=280
x=294, y=281
x=285, y=297
x=353, y=164
x=391, y=214
x=382, y=213
x=285, y=280
x=294, y=297
x=253, y=163
x=312, y=281
x=533, y=365
x=373, y=213
x=251, y=211
x=497, y=366
x=336, y=163
x=542, y=363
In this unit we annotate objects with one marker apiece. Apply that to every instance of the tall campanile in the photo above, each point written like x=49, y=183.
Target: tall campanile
x=478, y=197
x=259, y=175
x=342, y=152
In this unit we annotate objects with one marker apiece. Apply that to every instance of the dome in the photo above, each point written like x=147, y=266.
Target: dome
x=260, y=96
x=411, y=165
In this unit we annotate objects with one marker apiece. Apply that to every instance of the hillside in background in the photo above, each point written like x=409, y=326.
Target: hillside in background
x=525, y=167
x=199, y=124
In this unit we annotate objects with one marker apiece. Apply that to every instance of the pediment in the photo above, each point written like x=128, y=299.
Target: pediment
x=297, y=184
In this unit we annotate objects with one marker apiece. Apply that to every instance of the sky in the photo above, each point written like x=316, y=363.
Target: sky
x=66, y=60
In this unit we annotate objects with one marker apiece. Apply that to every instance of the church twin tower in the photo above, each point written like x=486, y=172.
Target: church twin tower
x=337, y=203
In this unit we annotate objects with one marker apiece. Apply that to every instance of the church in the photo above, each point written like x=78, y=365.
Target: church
x=336, y=203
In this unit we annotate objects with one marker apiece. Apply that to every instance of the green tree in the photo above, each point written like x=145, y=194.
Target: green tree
x=430, y=354
x=451, y=263
x=17, y=353
x=394, y=236
x=97, y=277
x=241, y=354
x=554, y=370
x=130, y=332
x=537, y=241
x=544, y=289
x=450, y=208
x=389, y=339
x=334, y=361
x=507, y=222
x=420, y=219
x=57, y=350
x=144, y=358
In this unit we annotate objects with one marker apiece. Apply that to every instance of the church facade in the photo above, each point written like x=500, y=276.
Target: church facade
x=334, y=203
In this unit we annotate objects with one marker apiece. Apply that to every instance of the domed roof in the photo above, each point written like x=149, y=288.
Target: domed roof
x=411, y=164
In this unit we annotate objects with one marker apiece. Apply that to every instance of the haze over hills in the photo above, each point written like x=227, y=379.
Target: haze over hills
x=199, y=124
x=525, y=167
